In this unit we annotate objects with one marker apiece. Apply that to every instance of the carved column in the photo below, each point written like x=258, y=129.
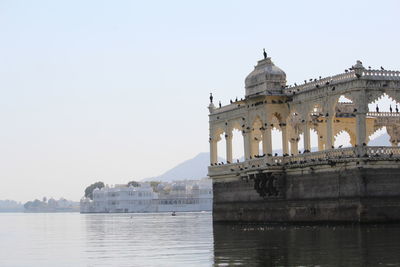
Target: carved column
x=352, y=140
x=320, y=144
x=228, y=138
x=294, y=147
x=306, y=136
x=329, y=132
x=247, y=145
x=213, y=151
x=362, y=109
x=254, y=150
x=267, y=141
x=285, y=148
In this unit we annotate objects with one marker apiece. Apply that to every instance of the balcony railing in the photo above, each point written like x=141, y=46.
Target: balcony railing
x=347, y=154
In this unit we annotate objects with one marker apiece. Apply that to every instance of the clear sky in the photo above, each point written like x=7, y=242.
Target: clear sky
x=118, y=90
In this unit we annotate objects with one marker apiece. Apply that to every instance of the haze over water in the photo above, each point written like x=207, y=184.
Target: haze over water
x=189, y=239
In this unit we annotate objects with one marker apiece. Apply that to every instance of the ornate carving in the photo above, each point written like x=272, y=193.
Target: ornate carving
x=266, y=185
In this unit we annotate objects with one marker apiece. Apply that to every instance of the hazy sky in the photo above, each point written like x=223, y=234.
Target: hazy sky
x=118, y=90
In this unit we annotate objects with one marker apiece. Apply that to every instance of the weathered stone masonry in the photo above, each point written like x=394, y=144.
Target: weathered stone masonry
x=357, y=183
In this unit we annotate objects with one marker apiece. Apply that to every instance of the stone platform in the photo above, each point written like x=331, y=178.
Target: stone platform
x=342, y=185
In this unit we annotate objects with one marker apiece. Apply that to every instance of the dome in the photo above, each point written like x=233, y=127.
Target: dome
x=266, y=79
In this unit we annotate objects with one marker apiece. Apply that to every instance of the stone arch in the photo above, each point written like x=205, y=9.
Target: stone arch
x=235, y=142
x=216, y=133
x=342, y=136
x=393, y=94
x=383, y=101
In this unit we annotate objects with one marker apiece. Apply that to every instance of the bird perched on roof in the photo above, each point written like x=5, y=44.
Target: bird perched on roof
x=382, y=68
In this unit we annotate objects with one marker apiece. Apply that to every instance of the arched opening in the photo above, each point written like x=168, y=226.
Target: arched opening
x=343, y=99
x=379, y=138
x=381, y=123
x=221, y=148
x=342, y=139
x=237, y=145
x=384, y=103
x=276, y=136
x=313, y=140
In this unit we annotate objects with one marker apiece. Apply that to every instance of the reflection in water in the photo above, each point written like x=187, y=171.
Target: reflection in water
x=72, y=239
x=159, y=239
x=149, y=239
x=274, y=245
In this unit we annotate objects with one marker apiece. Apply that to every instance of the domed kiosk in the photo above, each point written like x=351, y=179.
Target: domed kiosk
x=265, y=79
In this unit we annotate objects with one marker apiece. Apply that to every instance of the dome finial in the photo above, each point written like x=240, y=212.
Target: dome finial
x=265, y=54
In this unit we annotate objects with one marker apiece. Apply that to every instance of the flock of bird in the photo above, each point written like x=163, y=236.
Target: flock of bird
x=305, y=82
x=310, y=161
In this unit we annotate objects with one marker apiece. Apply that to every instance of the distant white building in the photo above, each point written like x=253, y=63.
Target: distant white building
x=178, y=196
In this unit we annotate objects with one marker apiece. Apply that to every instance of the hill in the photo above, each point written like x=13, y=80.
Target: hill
x=192, y=169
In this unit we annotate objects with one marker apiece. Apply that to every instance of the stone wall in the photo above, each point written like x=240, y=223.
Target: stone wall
x=352, y=192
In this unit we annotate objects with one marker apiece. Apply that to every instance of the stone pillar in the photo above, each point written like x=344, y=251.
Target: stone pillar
x=285, y=149
x=321, y=144
x=294, y=147
x=228, y=138
x=267, y=141
x=253, y=145
x=247, y=145
x=352, y=140
x=306, y=136
x=213, y=151
x=360, y=128
x=329, y=132
x=362, y=108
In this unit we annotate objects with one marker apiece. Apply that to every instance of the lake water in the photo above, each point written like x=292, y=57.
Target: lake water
x=188, y=239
